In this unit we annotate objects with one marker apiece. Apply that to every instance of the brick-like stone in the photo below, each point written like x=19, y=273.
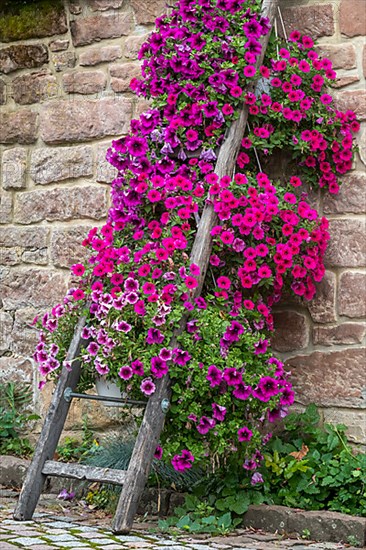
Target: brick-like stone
x=15, y=369
x=66, y=247
x=101, y=26
x=6, y=207
x=63, y=60
x=352, y=18
x=352, y=293
x=122, y=74
x=347, y=246
x=133, y=45
x=105, y=171
x=291, y=331
x=146, y=11
x=13, y=169
x=61, y=163
x=364, y=61
x=6, y=326
x=342, y=81
x=22, y=56
x=59, y=45
x=75, y=7
x=342, y=56
x=24, y=337
x=105, y=54
x=61, y=204
x=102, y=5
x=361, y=139
x=40, y=22
x=315, y=20
x=82, y=120
x=352, y=100
x=38, y=257
x=347, y=333
x=33, y=88
x=31, y=287
x=10, y=256
x=353, y=419
x=2, y=92
x=18, y=126
x=24, y=237
x=329, y=378
x=322, y=307
x=351, y=197
x=86, y=82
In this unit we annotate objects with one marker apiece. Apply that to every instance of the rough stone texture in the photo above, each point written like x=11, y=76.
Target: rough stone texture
x=34, y=87
x=31, y=287
x=347, y=246
x=329, y=378
x=105, y=54
x=24, y=237
x=86, y=82
x=343, y=56
x=6, y=207
x=352, y=100
x=291, y=331
x=6, y=326
x=59, y=45
x=351, y=198
x=75, y=7
x=13, y=470
x=61, y=163
x=63, y=60
x=41, y=22
x=66, y=247
x=133, y=45
x=362, y=146
x=354, y=420
x=348, y=333
x=105, y=171
x=351, y=295
x=322, y=307
x=352, y=17
x=315, y=20
x=364, y=61
x=15, y=369
x=102, y=5
x=38, y=256
x=146, y=11
x=122, y=74
x=79, y=120
x=22, y=56
x=24, y=337
x=61, y=204
x=2, y=92
x=18, y=126
x=104, y=25
x=13, y=168
x=342, y=81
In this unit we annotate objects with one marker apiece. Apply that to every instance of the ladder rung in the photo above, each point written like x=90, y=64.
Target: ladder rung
x=83, y=471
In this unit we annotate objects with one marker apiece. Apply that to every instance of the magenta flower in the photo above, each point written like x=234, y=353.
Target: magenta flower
x=125, y=372
x=218, y=412
x=154, y=336
x=232, y=376
x=245, y=434
x=214, y=376
x=205, y=424
x=147, y=386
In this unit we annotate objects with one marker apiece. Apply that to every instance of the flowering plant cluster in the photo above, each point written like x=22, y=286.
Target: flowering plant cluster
x=139, y=282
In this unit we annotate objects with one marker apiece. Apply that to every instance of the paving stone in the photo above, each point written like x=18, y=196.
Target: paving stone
x=28, y=541
x=61, y=537
x=73, y=544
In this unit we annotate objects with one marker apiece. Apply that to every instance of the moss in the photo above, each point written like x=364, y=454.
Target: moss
x=21, y=20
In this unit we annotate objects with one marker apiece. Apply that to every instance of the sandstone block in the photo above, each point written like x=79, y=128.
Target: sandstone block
x=59, y=45
x=37, y=22
x=24, y=337
x=102, y=5
x=6, y=207
x=105, y=54
x=13, y=169
x=362, y=146
x=329, y=378
x=147, y=11
x=352, y=294
x=315, y=20
x=364, y=61
x=22, y=56
x=101, y=26
x=31, y=287
x=10, y=256
x=61, y=204
x=347, y=333
x=23, y=237
x=18, y=126
x=13, y=471
x=38, y=256
x=291, y=331
x=86, y=82
x=61, y=163
x=63, y=60
x=75, y=7
x=15, y=369
x=351, y=198
x=347, y=245
x=82, y=120
x=122, y=74
x=352, y=17
x=2, y=92
x=353, y=419
x=133, y=45
x=342, y=81
x=322, y=307
x=33, y=88
x=353, y=100
x=343, y=56
x=105, y=171
x=66, y=247
x=6, y=326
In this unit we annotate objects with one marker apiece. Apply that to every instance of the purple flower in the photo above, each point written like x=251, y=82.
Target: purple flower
x=245, y=434
x=256, y=478
x=158, y=454
x=65, y=495
x=260, y=346
x=184, y=461
x=214, y=376
x=131, y=285
x=137, y=368
x=233, y=332
x=101, y=368
x=147, y=386
x=165, y=354
x=181, y=357
x=125, y=372
x=232, y=376
x=154, y=336
x=242, y=391
x=93, y=348
x=268, y=386
x=205, y=424
x=122, y=326
x=219, y=412
x=158, y=367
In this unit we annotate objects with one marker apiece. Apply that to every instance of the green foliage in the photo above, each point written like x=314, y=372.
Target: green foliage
x=14, y=418
x=20, y=19
x=74, y=450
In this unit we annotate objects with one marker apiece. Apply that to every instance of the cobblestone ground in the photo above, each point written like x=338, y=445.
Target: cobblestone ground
x=57, y=526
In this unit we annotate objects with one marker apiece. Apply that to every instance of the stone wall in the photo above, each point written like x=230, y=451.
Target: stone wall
x=64, y=95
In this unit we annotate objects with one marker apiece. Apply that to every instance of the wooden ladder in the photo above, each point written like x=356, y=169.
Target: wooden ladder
x=134, y=478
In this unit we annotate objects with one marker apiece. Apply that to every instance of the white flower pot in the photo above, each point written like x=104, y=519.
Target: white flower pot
x=108, y=388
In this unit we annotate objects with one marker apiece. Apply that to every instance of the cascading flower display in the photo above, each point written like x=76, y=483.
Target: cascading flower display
x=227, y=387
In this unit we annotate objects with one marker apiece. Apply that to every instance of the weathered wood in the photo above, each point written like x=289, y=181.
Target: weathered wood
x=153, y=421
x=83, y=471
x=50, y=434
